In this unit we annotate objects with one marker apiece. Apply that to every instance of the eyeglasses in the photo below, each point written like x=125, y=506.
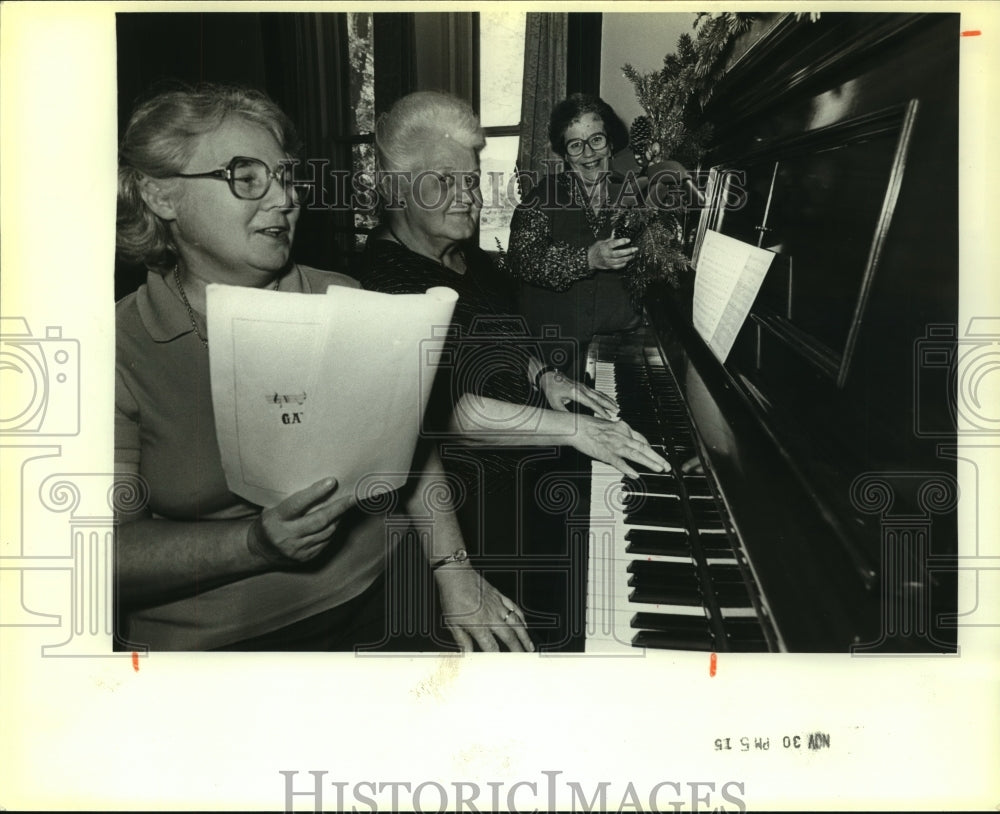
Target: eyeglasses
x=249, y=179
x=597, y=142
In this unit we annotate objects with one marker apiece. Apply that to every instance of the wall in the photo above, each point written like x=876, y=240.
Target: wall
x=642, y=40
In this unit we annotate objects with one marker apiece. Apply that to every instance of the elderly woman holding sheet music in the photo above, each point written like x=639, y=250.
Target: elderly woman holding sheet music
x=493, y=390
x=204, y=198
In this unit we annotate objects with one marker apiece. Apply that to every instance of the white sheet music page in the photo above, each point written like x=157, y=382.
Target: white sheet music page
x=728, y=277
x=305, y=386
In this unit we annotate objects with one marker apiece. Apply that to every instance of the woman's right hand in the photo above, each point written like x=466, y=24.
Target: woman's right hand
x=613, y=253
x=301, y=526
x=616, y=443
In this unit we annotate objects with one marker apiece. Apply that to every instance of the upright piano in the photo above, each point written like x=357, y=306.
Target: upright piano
x=812, y=501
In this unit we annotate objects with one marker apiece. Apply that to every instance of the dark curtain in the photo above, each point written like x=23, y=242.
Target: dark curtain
x=300, y=60
x=447, y=44
x=583, y=54
x=310, y=55
x=158, y=51
x=395, y=58
x=545, y=49
x=426, y=51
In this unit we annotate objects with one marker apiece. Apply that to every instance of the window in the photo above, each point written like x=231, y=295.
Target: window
x=501, y=68
x=499, y=49
x=361, y=50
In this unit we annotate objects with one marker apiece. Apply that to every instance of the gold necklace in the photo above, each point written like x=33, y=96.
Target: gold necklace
x=190, y=310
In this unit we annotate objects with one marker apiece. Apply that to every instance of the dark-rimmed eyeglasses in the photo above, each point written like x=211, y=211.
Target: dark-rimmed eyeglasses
x=598, y=141
x=249, y=179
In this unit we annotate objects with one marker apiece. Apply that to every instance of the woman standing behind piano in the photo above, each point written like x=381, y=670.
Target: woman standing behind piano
x=561, y=241
x=204, y=198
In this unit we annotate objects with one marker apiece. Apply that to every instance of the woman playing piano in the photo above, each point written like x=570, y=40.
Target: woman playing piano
x=204, y=198
x=493, y=389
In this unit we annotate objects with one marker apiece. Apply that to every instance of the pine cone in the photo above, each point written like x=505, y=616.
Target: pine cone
x=640, y=134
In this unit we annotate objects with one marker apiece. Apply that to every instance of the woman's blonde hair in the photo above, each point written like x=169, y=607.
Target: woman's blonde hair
x=418, y=121
x=160, y=139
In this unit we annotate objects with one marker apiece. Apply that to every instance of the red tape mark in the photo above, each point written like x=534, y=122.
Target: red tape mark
x=135, y=661
x=712, y=662
x=973, y=33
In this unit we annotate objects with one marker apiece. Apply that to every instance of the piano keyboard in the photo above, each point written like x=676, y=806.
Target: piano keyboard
x=665, y=568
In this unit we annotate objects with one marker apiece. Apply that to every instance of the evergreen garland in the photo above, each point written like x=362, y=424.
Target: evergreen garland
x=658, y=237
x=674, y=96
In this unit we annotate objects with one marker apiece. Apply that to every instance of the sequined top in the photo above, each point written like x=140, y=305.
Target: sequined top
x=535, y=256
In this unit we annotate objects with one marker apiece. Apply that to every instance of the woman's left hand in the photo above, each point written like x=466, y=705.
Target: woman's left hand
x=476, y=612
x=559, y=390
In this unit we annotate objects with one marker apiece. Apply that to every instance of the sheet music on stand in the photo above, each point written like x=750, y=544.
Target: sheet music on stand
x=727, y=279
x=307, y=386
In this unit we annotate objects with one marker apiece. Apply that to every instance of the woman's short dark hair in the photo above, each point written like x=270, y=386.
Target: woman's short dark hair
x=572, y=108
x=160, y=139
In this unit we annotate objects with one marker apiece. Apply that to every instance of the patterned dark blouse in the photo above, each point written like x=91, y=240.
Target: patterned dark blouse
x=488, y=346
x=551, y=231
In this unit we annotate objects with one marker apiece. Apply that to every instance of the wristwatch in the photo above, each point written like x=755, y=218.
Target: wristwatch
x=459, y=556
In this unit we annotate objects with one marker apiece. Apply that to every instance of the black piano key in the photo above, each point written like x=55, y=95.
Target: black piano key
x=743, y=628
x=696, y=485
x=732, y=595
x=670, y=508
x=669, y=641
x=662, y=543
x=749, y=646
x=663, y=572
x=745, y=636
x=661, y=583
x=642, y=469
x=644, y=510
x=679, y=591
x=656, y=483
x=725, y=574
x=656, y=595
x=688, y=626
x=655, y=434
x=706, y=514
x=716, y=546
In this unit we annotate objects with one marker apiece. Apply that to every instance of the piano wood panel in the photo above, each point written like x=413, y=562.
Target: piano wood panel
x=789, y=442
